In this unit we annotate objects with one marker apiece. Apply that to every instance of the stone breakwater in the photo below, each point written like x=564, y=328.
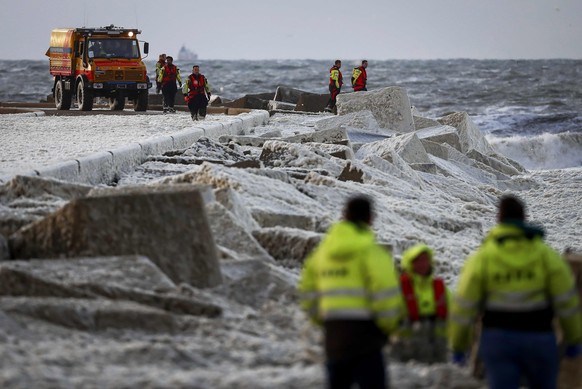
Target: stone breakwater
x=178, y=269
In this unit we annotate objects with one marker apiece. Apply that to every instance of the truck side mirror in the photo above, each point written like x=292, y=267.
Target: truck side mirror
x=146, y=47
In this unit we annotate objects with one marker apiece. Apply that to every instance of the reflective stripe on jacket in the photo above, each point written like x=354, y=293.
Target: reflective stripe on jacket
x=350, y=277
x=335, y=77
x=518, y=283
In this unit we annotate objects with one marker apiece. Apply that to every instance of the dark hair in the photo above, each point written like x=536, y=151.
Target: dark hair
x=337, y=61
x=170, y=57
x=358, y=210
x=195, y=66
x=511, y=207
x=364, y=61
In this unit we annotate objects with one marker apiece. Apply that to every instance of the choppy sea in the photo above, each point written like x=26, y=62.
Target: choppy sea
x=526, y=108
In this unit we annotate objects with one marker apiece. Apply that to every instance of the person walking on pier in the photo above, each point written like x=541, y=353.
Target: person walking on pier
x=196, y=92
x=169, y=74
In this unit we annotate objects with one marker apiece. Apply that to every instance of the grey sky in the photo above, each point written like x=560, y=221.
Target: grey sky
x=314, y=29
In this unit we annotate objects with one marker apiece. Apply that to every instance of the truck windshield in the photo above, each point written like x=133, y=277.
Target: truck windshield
x=113, y=48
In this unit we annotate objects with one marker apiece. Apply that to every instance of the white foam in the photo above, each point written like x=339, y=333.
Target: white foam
x=545, y=151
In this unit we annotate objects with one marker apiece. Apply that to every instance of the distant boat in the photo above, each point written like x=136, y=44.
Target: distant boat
x=186, y=54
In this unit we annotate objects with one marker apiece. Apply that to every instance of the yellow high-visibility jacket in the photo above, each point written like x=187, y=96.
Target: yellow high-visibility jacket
x=519, y=283
x=350, y=277
x=423, y=292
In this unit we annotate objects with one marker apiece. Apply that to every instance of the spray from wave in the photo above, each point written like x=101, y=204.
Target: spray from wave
x=541, y=152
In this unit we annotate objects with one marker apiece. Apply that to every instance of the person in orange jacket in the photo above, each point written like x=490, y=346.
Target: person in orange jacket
x=360, y=77
x=335, y=84
x=168, y=76
x=423, y=333
x=196, y=92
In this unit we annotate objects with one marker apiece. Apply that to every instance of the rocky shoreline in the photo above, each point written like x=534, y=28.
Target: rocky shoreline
x=181, y=271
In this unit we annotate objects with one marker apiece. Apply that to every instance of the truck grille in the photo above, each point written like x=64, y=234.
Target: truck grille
x=119, y=75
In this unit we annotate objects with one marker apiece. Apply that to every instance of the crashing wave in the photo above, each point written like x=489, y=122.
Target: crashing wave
x=545, y=151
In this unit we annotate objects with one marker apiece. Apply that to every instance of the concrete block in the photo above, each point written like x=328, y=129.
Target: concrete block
x=66, y=171
x=420, y=122
x=333, y=135
x=91, y=314
x=167, y=224
x=288, y=95
x=126, y=158
x=185, y=138
x=435, y=149
x=390, y=106
x=312, y=102
x=407, y=146
x=133, y=278
x=280, y=106
x=470, y=137
x=233, y=126
x=288, y=243
x=441, y=134
x=231, y=234
x=96, y=168
x=493, y=163
x=156, y=146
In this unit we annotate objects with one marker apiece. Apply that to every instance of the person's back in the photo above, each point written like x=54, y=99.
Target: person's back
x=360, y=77
x=348, y=285
x=519, y=284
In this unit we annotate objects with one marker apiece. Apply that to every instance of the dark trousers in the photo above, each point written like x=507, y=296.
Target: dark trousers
x=169, y=90
x=197, y=105
x=368, y=371
x=333, y=91
x=509, y=355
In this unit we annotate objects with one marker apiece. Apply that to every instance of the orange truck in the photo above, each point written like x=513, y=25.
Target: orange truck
x=98, y=62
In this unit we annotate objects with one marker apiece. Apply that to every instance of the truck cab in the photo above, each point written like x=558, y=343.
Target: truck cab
x=98, y=62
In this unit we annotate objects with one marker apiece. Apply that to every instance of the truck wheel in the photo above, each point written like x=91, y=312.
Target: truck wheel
x=84, y=97
x=117, y=103
x=141, y=102
x=62, y=96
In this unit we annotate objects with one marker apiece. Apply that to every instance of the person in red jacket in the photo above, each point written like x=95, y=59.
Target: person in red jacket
x=360, y=77
x=196, y=92
x=335, y=84
x=168, y=76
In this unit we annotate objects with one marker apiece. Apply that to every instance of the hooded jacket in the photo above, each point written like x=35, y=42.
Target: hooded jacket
x=424, y=290
x=349, y=285
x=518, y=283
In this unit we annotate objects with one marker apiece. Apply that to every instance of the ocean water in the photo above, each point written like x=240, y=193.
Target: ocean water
x=525, y=107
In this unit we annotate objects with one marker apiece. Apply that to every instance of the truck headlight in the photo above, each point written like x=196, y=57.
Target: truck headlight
x=142, y=86
x=97, y=85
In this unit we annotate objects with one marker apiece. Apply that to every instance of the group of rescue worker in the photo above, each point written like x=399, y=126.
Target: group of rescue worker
x=196, y=89
x=359, y=81
x=513, y=287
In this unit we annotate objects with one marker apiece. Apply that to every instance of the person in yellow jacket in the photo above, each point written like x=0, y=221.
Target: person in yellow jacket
x=349, y=286
x=422, y=335
x=518, y=284
x=336, y=81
